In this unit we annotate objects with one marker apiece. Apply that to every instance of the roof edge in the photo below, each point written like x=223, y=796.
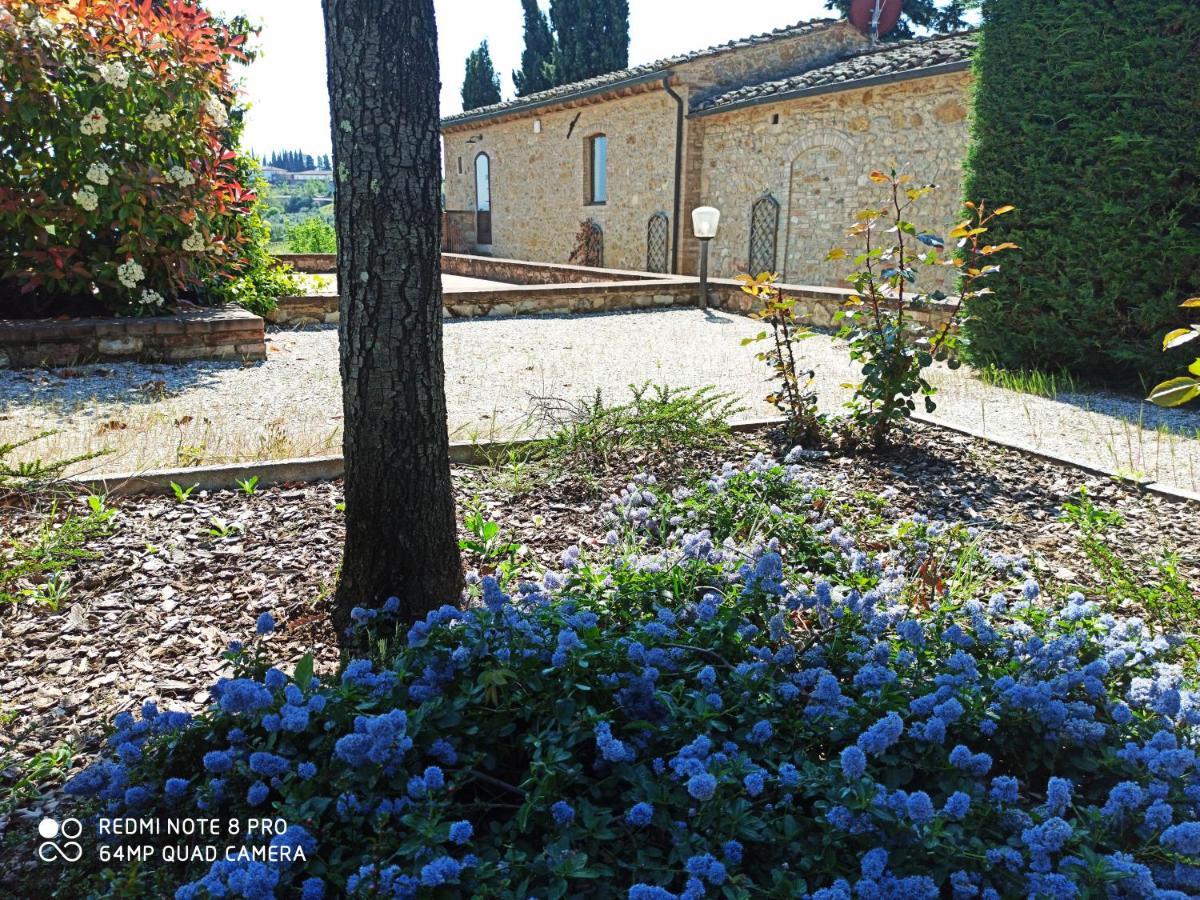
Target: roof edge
x=661, y=67
x=835, y=87
x=461, y=119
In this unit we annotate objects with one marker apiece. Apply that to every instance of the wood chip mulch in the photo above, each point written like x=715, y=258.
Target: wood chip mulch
x=149, y=617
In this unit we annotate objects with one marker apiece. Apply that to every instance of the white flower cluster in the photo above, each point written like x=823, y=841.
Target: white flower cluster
x=194, y=242
x=87, y=198
x=43, y=27
x=157, y=121
x=152, y=298
x=98, y=173
x=115, y=74
x=216, y=111
x=94, y=122
x=180, y=176
x=130, y=273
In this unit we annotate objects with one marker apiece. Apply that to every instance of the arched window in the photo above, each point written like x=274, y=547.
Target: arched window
x=483, y=199
x=597, y=169
x=764, y=229
x=657, y=243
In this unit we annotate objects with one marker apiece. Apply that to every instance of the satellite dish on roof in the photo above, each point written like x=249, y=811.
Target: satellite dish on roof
x=875, y=18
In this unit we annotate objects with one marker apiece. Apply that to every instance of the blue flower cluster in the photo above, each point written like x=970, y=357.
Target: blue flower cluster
x=734, y=695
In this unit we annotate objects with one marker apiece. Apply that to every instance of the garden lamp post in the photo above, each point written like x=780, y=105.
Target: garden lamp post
x=705, y=220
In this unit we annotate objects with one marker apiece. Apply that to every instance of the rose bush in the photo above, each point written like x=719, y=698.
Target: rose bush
x=122, y=189
x=735, y=696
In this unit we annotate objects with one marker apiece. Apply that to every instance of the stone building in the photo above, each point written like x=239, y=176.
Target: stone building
x=778, y=131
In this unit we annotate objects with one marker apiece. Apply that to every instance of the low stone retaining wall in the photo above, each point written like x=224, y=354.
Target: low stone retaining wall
x=310, y=263
x=516, y=271
x=230, y=333
x=488, y=268
x=816, y=306
x=314, y=309
x=528, y=288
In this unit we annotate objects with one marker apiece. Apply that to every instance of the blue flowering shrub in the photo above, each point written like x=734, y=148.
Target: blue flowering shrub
x=736, y=696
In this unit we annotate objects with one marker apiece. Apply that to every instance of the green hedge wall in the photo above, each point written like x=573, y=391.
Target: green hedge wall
x=1087, y=118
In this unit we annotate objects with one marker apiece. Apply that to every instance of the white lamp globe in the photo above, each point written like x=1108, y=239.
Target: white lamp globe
x=705, y=220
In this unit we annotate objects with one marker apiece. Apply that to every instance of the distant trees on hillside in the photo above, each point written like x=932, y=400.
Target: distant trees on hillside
x=296, y=161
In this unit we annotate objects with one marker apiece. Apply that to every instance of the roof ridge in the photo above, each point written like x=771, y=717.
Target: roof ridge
x=841, y=71
x=804, y=26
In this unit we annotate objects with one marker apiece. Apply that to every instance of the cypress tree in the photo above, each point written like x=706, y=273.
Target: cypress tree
x=593, y=38
x=481, y=84
x=537, y=59
x=919, y=15
x=1086, y=120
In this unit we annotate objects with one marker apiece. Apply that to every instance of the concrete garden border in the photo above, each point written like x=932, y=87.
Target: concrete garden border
x=328, y=468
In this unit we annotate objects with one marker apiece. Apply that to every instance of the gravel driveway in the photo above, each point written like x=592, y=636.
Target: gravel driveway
x=153, y=416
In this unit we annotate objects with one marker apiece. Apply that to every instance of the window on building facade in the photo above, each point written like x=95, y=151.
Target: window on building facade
x=483, y=199
x=764, y=229
x=657, y=243
x=597, y=166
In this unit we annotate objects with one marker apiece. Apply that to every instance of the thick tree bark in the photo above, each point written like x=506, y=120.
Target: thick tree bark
x=400, y=518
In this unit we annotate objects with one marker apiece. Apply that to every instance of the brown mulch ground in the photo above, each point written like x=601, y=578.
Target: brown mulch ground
x=148, y=618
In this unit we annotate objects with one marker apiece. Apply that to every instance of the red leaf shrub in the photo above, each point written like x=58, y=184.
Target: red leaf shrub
x=121, y=189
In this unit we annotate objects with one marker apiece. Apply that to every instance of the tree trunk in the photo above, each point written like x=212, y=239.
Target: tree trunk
x=400, y=518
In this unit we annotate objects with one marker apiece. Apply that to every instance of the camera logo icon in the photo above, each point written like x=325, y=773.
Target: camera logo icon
x=60, y=840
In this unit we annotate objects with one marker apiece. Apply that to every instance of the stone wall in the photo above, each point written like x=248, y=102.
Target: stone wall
x=310, y=263
x=313, y=309
x=815, y=163
x=230, y=333
x=756, y=62
x=516, y=271
x=539, y=178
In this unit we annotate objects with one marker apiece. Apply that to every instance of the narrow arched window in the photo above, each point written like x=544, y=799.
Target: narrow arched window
x=657, y=243
x=764, y=229
x=597, y=169
x=483, y=200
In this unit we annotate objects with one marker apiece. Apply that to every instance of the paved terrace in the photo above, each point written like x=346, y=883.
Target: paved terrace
x=290, y=405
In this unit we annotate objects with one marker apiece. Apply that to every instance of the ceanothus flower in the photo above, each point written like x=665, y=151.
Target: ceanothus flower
x=562, y=813
x=639, y=815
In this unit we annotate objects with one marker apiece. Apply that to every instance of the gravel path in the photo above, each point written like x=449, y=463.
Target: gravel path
x=290, y=405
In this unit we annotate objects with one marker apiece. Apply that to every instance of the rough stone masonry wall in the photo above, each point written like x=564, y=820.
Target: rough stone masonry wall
x=815, y=162
x=230, y=333
x=539, y=180
x=769, y=60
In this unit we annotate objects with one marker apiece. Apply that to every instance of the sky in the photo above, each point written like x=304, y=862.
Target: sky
x=286, y=85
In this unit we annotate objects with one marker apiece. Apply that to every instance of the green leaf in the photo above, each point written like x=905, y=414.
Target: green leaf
x=304, y=671
x=1180, y=336
x=1176, y=391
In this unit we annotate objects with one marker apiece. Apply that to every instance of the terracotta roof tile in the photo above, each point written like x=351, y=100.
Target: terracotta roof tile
x=881, y=61
x=566, y=91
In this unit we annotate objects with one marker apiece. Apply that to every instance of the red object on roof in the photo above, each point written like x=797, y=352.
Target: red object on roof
x=861, y=12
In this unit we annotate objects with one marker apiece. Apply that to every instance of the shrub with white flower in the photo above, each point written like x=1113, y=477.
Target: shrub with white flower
x=216, y=111
x=736, y=696
x=115, y=74
x=153, y=299
x=87, y=198
x=157, y=121
x=181, y=176
x=194, y=242
x=75, y=76
x=98, y=173
x=130, y=274
x=95, y=122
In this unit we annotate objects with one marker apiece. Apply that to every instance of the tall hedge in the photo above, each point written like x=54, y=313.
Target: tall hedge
x=1087, y=118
